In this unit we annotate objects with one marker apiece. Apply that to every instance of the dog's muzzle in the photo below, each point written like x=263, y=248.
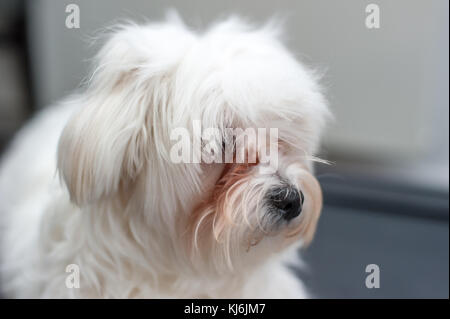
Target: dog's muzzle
x=286, y=202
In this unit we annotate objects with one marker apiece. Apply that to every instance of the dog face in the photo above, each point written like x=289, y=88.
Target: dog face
x=152, y=80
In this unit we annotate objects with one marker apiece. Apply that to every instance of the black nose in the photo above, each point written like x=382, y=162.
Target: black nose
x=287, y=201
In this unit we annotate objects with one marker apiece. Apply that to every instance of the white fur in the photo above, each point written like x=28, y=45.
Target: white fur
x=122, y=209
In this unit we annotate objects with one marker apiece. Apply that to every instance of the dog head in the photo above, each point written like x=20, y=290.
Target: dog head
x=154, y=80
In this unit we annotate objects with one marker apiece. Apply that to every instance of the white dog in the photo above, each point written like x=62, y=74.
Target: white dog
x=132, y=222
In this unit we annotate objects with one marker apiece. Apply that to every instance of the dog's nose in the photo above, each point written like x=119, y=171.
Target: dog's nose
x=287, y=201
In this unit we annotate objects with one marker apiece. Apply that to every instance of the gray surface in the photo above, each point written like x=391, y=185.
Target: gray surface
x=412, y=253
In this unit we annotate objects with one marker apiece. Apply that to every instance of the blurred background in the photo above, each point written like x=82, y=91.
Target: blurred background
x=386, y=193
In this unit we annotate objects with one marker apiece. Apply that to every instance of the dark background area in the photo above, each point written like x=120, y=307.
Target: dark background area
x=410, y=246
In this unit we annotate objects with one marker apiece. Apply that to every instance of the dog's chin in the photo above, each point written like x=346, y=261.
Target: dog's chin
x=241, y=225
x=249, y=251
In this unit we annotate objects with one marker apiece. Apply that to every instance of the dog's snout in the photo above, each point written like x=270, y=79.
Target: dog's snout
x=287, y=201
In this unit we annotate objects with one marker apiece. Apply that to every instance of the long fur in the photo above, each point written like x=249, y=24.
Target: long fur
x=136, y=224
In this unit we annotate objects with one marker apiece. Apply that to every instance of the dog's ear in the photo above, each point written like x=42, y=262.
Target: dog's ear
x=106, y=142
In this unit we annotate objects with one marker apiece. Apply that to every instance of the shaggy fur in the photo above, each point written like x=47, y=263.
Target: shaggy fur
x=135, y=223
